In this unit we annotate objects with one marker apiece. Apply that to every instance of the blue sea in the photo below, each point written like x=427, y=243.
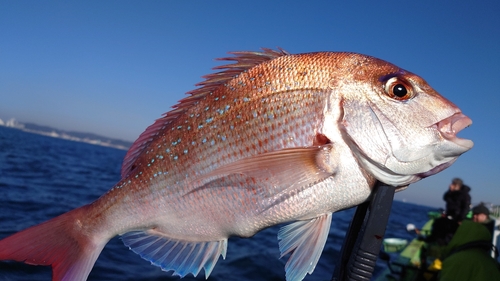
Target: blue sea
x=42, y=177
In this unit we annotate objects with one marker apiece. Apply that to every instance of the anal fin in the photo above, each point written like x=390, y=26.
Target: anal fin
x=305, y=241
x=183, y=257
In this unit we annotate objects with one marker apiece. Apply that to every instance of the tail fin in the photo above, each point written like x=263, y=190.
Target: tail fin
x=62, y=242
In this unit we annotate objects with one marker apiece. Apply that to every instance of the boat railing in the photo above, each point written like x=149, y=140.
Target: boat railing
x=495, y=214
x=496, y=237
x=495, y=211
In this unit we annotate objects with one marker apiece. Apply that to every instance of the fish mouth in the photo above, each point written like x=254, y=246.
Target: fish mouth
x=450, y=126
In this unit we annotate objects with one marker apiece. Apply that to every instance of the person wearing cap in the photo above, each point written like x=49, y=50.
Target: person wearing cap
x=481, y=214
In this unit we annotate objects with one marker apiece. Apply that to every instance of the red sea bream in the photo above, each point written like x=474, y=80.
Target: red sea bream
x=272, y=138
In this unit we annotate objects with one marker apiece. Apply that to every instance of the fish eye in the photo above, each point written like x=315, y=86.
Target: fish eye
x=398, y=89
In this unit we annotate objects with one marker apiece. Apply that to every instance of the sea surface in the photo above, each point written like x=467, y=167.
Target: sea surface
x=42, y=177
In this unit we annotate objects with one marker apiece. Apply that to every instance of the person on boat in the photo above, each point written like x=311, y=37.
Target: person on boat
x=481, y=214
x=457, y=200
x=468, y=255
x=442, y=231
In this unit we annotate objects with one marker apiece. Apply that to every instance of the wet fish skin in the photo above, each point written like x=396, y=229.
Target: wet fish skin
x=272, y=138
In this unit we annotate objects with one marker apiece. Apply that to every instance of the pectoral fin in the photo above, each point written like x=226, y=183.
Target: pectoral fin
x=305, y=241
x=182, y=257
x=285, y=169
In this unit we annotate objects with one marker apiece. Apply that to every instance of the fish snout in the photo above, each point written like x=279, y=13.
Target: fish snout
x=450, y=126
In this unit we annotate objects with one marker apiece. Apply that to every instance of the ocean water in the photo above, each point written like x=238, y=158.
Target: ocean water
x=42, y=177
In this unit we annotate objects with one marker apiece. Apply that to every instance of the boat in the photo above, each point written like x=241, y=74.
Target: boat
x=418, y=260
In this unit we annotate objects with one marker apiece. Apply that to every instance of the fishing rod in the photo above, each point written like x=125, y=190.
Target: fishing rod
x=364, y=237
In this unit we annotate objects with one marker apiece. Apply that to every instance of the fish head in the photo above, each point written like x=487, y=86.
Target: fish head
x=399, y=127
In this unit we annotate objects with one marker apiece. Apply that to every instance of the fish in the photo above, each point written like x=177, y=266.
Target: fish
x=268, y=138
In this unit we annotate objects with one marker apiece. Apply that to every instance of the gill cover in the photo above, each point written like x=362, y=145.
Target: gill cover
x=402, y=130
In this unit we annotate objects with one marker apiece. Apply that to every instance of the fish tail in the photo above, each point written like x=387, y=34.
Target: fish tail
x=62, y=242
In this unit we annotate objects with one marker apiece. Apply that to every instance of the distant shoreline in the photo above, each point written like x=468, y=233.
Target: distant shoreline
x=66, y=135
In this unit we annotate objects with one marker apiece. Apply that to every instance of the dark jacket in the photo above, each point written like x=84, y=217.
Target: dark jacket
x=457, y=203
x=467, y=256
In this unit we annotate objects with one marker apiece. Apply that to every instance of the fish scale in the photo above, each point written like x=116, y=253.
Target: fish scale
x=271, y=138
x=258, y=85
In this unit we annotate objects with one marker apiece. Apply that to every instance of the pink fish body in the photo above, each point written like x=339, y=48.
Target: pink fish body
x=272, y=138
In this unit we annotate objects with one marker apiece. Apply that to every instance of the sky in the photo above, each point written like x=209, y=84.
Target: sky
x=113, y=67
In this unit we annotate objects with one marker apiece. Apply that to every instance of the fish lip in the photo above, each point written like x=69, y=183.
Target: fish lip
x=449, y=127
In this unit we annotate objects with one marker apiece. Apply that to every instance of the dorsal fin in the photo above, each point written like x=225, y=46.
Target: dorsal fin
x=243, y=61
